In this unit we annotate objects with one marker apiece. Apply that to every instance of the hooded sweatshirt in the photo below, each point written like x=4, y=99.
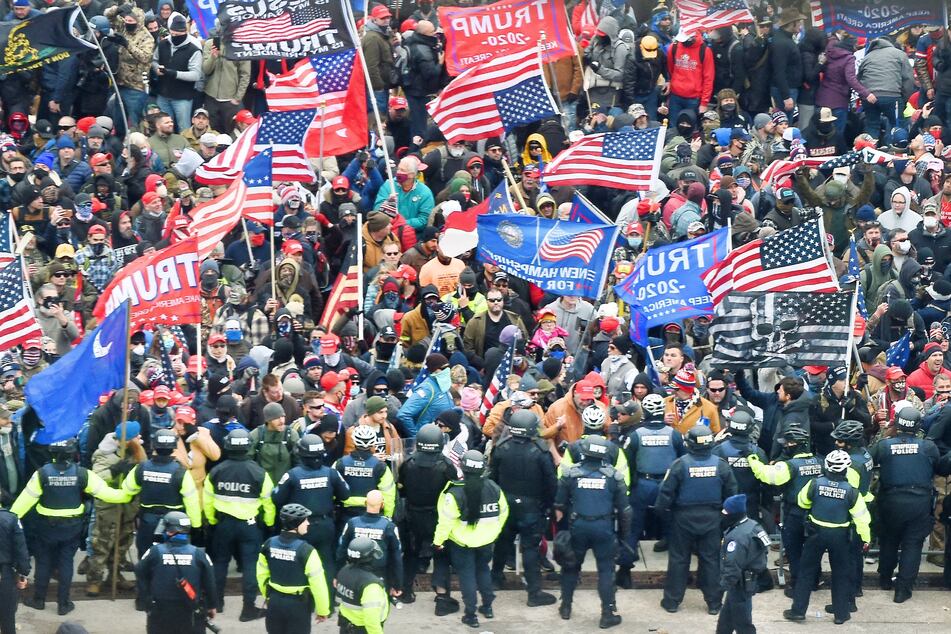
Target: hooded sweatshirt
x=691, y=73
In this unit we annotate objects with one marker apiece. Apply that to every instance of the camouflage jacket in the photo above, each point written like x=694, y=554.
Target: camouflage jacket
x=136, y=58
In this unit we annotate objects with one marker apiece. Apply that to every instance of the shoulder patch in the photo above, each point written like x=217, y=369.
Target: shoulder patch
x=284, y=478
x=731, y=547
x=421, y=393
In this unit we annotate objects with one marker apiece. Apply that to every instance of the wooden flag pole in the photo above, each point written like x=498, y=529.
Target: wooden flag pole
x=360, y=279
x=511, y=179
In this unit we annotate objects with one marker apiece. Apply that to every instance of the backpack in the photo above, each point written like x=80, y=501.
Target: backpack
x=255, y=450
x=402, y=69
x=673, y=52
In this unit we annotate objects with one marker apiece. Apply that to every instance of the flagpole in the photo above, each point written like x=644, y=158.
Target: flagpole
x=115, y=88
x=511, y=179
x=556, y=93
x=320, y=168
x=247, y=242
x=273, y=272
x=851, y=344
x=360, y=280
x=122, y=442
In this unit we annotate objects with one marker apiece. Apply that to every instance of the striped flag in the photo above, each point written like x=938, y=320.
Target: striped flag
x=17, y=319
x=792, y=260
x=345, y=293
x=780, y=167
x=621, y=160
x=498, y=382
x=559, y=245
x=779, y=329
x=697, y=16
x=493, y=97
x=7, y=240
x=589, y=16
x=305, y=22
x=249, y=196
x=284, y=133
x=225, y=167
x=877, y=157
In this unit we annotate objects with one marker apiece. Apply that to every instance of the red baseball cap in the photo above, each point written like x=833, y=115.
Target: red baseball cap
x=409, y=24
x=380, y=11
x=894, y=373
x=33, y=342
x=193, y=364
x=584, y=390
x=216, y=338
x=245, y=116
x=329, y=380
x=292, y=247
x=329, y=344
x=398, y=103
x=162, y=391
x=341, y=182
x=96, y=230
x=100, y=158
x=815, y=369
x=185, y=414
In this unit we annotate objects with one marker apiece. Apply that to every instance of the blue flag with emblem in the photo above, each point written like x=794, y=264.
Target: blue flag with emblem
x=899, y=352
x=583, y=210
x=64, y=394
x=561, y=257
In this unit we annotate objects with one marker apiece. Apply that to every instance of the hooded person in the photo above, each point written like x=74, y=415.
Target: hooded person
x=536, y=152
x=899, y=214
x=430, y=399
x=877, y=274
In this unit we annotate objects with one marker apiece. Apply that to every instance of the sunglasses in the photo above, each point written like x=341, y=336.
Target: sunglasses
x=716, y=390
x=340, y=191
x=494, y=300
x=62, y=274
x=391, y=253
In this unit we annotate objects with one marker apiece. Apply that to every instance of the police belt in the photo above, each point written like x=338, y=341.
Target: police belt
x=650, y=476
x=591, y=518
x=413, y=507
x=908, y=489
x=300, y=594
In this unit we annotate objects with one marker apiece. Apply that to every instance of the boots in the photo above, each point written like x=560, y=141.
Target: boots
x=564, y=611
x=541, y=598
x=122, y=583
x=445, y=604
x=609, y=617
x=622, y=578
x=902, y=592
x=251, y=612
x=93, y=588
x=471, y=620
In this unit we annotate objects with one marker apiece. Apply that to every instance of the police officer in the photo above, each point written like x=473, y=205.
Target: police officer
x=316, y=487
x=694, y=490
x=742, y=562
x=57, y=492
x=834, y=506
x=592, y=495
x=906, y=469
x=363, y=603
x=849, y=436
x=236, y=491
x=420, y=480
x=291, y=577
x=382, y=530
x=650, y=450
x=176, y=583
x=14, y=565
x=364, y=472
x=593, y=420
x=526, y=473
x=471, y=514
x=792, y=472
x=163, y=485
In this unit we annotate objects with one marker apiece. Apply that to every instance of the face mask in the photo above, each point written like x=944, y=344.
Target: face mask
x=700, y=331
x=16, y=178
x=840, y=178
x=824, y=127
x=930, y=222
x=884, y=267
x=898, y=386
x=402, y=178
x=332, y=359
x=390, y=299
x=234, y=336
x=744, y=182
x=904, y=246
x=138, y=349
x=708, y=128
x=385, y=350
x=31, y=357
x=84, y=213
x=685, y=130
x=218, y=353
x=284, y=327
x=131, y=27
x=456, y=152
x=466, y=195
x=178, y=40
x=293, y=204
x=557, y=354
x=168, y=341
x=62, y=234
x=729, y=107
x=257, y=239
x=154, y=214
x=97, y=249
x=635, y=242
x=443, y=379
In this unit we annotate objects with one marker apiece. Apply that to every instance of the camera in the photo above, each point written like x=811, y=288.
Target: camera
x=49, y=302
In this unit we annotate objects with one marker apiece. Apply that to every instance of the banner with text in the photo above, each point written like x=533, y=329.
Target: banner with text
x=562, y=257
x=284, y=29
x=871, y=19
x=477, y=34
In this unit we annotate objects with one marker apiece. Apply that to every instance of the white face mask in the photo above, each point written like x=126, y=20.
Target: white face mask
x=139, y=349
x=930, y=222
x=161, y=190
x=904, y=246
x=456, y=152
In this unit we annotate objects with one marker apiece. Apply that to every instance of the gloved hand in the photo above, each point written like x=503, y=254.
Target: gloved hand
x=190, y=428
x=120, y=40
x=438, y=548
x=595, y=65
x=122, y=467
x=572, y=97
x=171, y=72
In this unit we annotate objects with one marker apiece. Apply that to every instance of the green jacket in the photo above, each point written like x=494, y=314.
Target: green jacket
x=273, y=450
x=225, y=79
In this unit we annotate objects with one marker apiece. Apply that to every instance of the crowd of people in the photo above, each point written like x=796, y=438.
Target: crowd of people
x=336, y=464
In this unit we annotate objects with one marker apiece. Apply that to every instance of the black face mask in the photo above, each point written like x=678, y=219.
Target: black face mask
x=729, y=519
x=97, y=249
x=178, y=40
x=825, y=127
x=131, y=27
x=16, y=178
x=685, y=130
x=729, y=107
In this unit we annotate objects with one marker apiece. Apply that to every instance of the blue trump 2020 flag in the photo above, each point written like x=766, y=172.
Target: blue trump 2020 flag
x=65, y=393
x=561, y=257
x=665, y=285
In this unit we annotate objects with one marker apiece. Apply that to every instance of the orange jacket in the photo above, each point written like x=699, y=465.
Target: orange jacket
x=692, y=416
x=573, y=428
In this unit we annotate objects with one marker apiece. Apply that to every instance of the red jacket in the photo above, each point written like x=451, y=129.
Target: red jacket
x=923, y=379
x=683, y=62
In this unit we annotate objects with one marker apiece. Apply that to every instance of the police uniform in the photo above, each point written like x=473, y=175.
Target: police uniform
x=420, y=480
x=694, y=490
x=859, y=476
x=833, y=507
x=317, y=489
x=162, y=485
x=742, y=561
x=363, y=602
x=735, y=450
x=906, y=487
x=363, y=473
x=14, y=563
x=236, y=491
x=650, y=450
x=159, y=574
x=290, y=576
x=526, y=474
x=382, y=531
x=791, y=474
x=57, y=492
x=615, y=457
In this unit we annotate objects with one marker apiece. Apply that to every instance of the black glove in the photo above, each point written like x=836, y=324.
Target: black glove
x=171, y=72
x=572, y=97
x=861, y=382
x=190, y=428
x=120, y=40
x=122, y=467
x=595, y=65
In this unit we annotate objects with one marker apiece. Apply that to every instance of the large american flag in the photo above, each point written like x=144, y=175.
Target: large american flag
x=284, y=132
x=498, y=381
x=791, y=260
x=249, y=196
x=560, y=245
x=781, y=167
x=7, y=241
x=697, y=16
x=492, y=97
x=345, y=293
x=225, y=167
x=17, y=319
x=287, y=26
x=621, y=160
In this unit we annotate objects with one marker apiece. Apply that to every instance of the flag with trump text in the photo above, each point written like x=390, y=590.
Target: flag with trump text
x=561, y=257
x=284, y=29
x=697, y=16
x=780, y=329
x=621, y=160
x=161, y=288
x=493, y=97
x=796, y=259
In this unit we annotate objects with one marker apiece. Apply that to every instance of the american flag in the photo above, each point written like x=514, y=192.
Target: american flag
x=697, y=16
x=493, y=97
x=284, y=132
x=791, y=260
x=312, y=80
x=877, y=157
x=899, y=352
x=225, y=167
x=250, y=196
x=167, y=374
x=621, y=160
x=7, y=240
x=779, y=329
x=287, y=26
x=781, y=167
x=17, y=320
x=345, y=293
x=498, y=381
x=560, y=245
x=435, y=347
x=853, y=276
x=589, y=15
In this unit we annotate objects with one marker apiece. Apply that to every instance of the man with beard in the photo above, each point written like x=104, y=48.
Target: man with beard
x=96, y=260
x=886, y=402
x=151, y=222
x=124, y=239
x=483, y=330
x=252, y=322
x=336, y=196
